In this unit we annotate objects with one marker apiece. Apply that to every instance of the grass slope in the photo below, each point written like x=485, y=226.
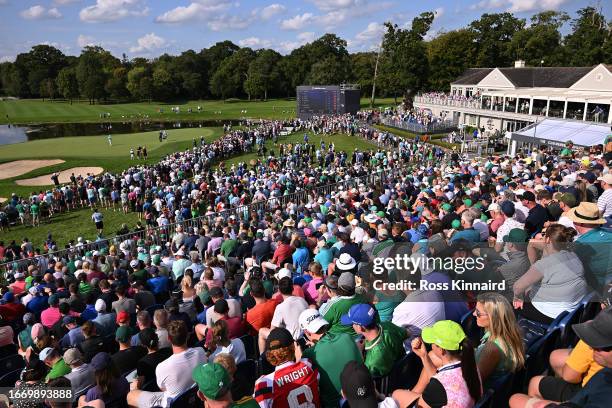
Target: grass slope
x=34, y=111
x=67, y=226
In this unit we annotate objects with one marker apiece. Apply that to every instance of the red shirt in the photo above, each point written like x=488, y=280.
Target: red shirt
x=290, y=385
x=235, y=328
x=18, y=287
x=283, y=252
x=260, y=316
x=297, y=291
x=12, y=311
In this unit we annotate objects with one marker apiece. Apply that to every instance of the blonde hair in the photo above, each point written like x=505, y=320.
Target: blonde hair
x=186, y=282
x=504, y=327
x=227, y=361
x=160, y=318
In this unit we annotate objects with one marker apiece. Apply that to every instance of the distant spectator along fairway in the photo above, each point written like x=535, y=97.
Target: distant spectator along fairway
x=32, y=111
x=67, y=226
x=87, y=151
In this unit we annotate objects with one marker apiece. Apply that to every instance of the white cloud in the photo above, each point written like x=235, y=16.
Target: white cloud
x=439, y=12
x=149, y=42
x=519, y=6
x=272, y=10
x=39, y=12
x=306, y=37
x=7, y=58
x=298, y=22
x=285, y=47
x=227, y=22
x=84, y=40
x=113, y=10
x=255, y=43
x=200, y=10
x=368, y=39
x=330, y=5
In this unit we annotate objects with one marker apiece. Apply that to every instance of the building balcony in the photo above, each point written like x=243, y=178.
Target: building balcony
x=486, y=106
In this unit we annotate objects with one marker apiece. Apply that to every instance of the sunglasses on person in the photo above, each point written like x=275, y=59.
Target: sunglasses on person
x=478, y=313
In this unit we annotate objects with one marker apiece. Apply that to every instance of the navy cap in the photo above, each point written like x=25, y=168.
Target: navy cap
x=68, y=320
x=507, y=207
x=361, y=314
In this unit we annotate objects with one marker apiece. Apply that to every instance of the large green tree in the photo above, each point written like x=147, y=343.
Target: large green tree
x=405, y=64
x=91, y=73
x=449, y=55
x=589, y=42
x=67, y=84
x=541, y=42
x=263, y=74
x=493, y=35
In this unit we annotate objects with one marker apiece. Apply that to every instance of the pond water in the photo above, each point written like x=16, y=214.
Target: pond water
x=10, y=134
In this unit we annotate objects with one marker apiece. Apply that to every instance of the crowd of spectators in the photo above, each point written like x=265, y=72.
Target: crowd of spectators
x=285, y=306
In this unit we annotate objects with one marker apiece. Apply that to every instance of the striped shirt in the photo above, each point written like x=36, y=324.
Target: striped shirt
x=605, y=203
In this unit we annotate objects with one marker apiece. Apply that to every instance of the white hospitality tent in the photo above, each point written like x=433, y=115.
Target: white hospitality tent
x=556, y=132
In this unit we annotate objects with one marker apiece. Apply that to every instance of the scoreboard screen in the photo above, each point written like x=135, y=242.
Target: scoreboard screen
x=318, y=101
x=326, y=100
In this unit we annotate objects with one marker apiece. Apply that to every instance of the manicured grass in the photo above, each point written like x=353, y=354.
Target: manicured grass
x=32, y=111
x=410, y=136
x=342, y=142
x=88, y=151
x=67, y=226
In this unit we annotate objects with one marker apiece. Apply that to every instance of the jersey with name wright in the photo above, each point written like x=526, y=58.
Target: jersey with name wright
x=291, y=385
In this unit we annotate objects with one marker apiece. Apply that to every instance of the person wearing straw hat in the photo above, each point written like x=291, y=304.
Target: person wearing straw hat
x=593, y=243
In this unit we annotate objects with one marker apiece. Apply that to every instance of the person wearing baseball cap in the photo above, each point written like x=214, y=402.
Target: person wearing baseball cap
x=329, y=353
x=52, y=359
x=273, y=390
x=456, y=379
x=341, y=293
x=537, y=213
x=74, y=336
x=595, y=345
x=127, y=357
x=81, y=376
x=359, y=390
x=383, y=341
x=214, y=385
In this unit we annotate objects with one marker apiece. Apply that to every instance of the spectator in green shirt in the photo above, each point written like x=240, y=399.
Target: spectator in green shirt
x=384, y=341
x=330, y=353
x=228, y=246
x=341, y=292
x=53, y=360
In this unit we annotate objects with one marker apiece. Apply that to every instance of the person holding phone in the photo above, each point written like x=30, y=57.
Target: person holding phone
x=456, y=379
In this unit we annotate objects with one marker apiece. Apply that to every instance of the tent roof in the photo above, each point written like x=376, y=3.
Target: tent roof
x=558, y=132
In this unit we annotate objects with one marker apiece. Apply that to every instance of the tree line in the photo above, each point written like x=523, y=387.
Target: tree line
x=408, y=60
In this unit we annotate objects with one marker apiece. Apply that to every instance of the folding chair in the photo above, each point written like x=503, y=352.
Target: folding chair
x=250, y=346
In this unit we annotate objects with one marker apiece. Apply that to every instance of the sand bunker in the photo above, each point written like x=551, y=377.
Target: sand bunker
x=19, y=167
x=64, y=176
x=2, y=199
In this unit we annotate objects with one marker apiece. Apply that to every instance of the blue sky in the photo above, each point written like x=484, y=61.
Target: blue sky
x=151, y=27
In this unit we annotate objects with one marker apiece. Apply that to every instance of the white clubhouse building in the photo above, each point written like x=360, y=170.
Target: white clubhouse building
x=509, y=99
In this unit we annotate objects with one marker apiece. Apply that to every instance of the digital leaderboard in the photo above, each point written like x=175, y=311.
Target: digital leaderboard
x=327, y=100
